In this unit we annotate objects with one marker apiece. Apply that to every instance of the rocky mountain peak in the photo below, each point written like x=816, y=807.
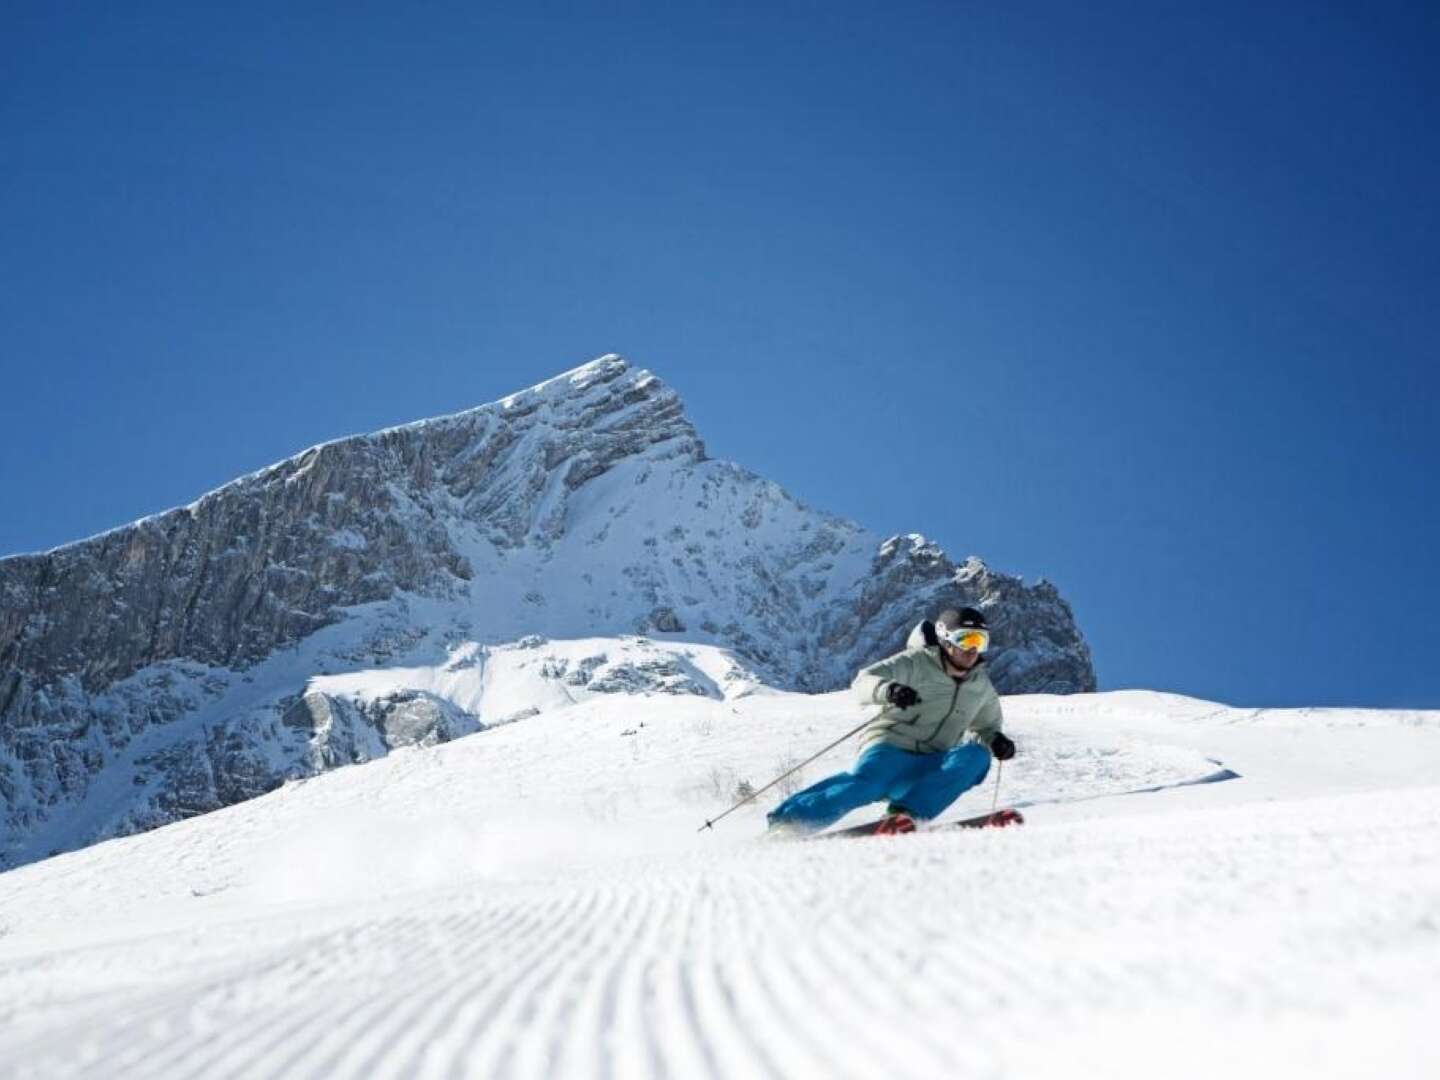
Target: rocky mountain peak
x=177, y=655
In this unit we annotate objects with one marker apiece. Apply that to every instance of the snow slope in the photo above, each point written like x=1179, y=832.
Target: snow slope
x=535, y=900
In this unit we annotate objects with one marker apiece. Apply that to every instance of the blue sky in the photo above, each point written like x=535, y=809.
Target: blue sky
x=1149, y=290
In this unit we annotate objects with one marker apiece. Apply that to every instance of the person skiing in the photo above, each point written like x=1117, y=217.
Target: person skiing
x=932, y=740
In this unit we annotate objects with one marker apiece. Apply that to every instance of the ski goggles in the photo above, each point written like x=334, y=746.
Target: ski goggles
x=966, y=637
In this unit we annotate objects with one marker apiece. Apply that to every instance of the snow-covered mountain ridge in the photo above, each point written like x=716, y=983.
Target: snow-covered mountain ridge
x=170, y=667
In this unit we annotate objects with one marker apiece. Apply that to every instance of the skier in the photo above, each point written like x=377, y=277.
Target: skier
x=932, y=740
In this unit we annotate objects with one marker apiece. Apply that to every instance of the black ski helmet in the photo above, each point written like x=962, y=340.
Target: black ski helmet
x=968, y=617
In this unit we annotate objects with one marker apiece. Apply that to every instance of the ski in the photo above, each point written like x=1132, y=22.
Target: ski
x=998, y=819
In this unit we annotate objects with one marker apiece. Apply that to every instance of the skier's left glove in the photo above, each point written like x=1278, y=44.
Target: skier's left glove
x=1001, y=746
x=901, y=696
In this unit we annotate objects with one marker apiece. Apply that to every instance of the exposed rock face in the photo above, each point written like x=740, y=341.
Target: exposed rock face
x=178, y=650
x=342, y=732
x=1038, y=648
x=271, y=558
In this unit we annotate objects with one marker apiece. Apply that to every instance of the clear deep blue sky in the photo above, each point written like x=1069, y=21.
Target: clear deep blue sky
x=1141, y=298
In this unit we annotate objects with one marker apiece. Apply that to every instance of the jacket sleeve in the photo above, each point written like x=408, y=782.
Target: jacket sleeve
x=988, y=721
x=873, y=682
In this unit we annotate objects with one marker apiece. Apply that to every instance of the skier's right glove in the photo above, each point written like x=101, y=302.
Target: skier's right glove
x=1002, y=746
x=901, y=696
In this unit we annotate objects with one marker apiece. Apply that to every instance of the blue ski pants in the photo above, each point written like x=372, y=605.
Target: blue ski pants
x=924, y=784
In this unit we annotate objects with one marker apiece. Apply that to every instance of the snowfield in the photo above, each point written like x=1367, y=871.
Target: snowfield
x=535, y=900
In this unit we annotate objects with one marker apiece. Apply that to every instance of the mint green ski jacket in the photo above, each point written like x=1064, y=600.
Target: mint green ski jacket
x=951, y=711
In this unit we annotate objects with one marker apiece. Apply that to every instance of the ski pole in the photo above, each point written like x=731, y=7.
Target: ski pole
x=755, y=794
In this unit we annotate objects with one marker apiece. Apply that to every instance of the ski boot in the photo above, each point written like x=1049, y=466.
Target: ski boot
x=778, y=829
x=894, y=824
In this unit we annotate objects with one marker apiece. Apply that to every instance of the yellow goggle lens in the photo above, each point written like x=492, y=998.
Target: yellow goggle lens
x=978, y=640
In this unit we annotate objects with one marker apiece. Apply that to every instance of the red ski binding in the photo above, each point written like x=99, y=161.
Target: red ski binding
x=894, y=825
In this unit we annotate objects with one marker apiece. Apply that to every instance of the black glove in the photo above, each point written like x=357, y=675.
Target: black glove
x=1001, y=746
x=901, y=696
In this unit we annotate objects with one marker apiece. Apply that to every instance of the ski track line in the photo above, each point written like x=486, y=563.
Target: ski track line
x=472, y=1017
x=859, y=1010
x=471, y=953
x=504, y=1033
x=799, y=987
x=106, y=1037
x=478, y=959
x=379, y=1018
x=716, y=1011
x=616, y=980
x=599, y=1015
x=596, y=1011
x=864, y=1005
x=636, y=1006
x=366, y=1050
x=782, y=1008
x=418, y=1048
x=727, y=1041
x=289, y=1004
x=888, y=973
x=475, y=1001
x=381, y=1035
x=377, y=1041
x=546, y=1005
x=747, y=996
x=482, y=1024
x=690, y=1053
x=202, y=1052
x=410, y=1044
